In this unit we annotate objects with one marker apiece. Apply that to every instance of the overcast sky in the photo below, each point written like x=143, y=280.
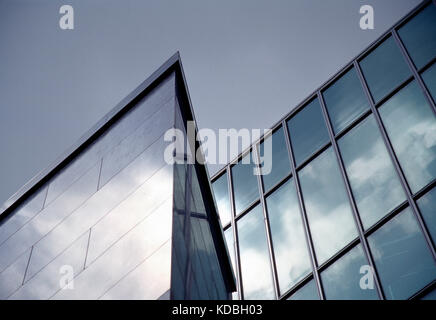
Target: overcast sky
x=254, y=59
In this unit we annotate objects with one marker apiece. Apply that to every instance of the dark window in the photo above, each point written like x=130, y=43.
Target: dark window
x=307, y=131
x=384, y=69
x=429, y=77
x=244, y=183
x=279, y=163
x=374, y=182
x=411, y=126
x=345, y=100
x=419, y=36
x=402, y=257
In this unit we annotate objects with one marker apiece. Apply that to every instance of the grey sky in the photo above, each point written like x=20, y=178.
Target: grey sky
x=254, y=59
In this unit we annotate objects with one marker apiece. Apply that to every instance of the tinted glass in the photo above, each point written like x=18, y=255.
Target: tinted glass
x=384, y=69
x=342, y=280
x=255, y=265
x=402, y=258
x=374, y=182
x=228, y=235
x=411, y=126
x=429, y=77
x=221, y=193
x=419, y=36
x=328, y=209
x=307, y=131
x=289, y=242
x=307, y=292
x=279, y=162
x=244, y=183
x=427, y=206
x=345, y=100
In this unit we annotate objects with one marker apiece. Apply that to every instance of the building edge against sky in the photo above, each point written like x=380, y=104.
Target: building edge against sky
x=367, y=135
x=110, y=219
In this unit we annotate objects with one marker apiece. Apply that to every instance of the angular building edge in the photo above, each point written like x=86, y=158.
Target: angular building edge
x=173, y=64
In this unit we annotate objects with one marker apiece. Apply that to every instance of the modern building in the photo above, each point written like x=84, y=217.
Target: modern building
x=111, y=219
x=349, y=208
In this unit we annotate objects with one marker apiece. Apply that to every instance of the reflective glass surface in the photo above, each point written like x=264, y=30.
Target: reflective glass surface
x=287, y=232
x=254, y=256
x=244, y=183
x=307, y=131
x=345, y=100
x=411, y=126
x=307, y=292
x=228, y=235
x=328, y=209
x=427, y=206
x=402, y=257
x=22, y=214
x=384, y=69
x=419, y=36
x=342, y=280
x=429, y=77
x=221, y=193
x=374, y=182
x=279, y=165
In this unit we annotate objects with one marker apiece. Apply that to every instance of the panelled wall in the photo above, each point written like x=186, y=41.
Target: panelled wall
x=104, y=221
x=353, y=183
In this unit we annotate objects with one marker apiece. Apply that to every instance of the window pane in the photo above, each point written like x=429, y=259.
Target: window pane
x=255, y=265
x=280, y=165
x=307, y=292
x=411, y=126
x=289, y=242
x=345, y=100
x=228, y=234
x=341, y=280
x=384, y=69
x=429, y=77
x=244, y=183
x=401, y=256
x=419, y=36
x=374, y=182
x=221, y=192
x=307, y=131
x=427, y=206
x=328, y=209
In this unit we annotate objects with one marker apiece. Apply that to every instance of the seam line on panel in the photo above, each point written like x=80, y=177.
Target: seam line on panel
x=87, y=248
x=27, y=266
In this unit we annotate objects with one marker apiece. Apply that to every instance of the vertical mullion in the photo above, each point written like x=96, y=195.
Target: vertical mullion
x=395, y=161
x=356, y=217
x=235, y=233
x=255, y=153
x=303, y=212
x=412, y=68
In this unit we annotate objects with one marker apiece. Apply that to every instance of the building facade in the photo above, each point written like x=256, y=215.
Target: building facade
x=349, y=208
x=111, y=219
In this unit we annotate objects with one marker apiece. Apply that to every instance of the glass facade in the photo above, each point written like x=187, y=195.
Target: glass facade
x=351, y=205
x=116, y=220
